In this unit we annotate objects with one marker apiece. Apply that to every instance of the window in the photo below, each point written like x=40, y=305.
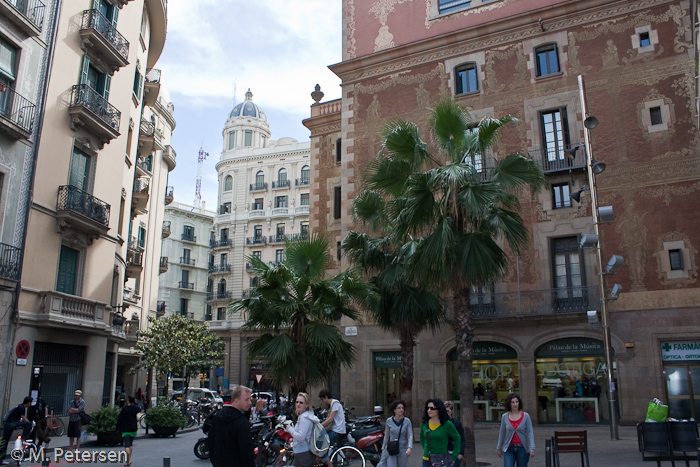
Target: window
x=655, y=114
x=280, y=232
x=676, y=259
x=304, y=201
x=212, y=237
x=228, y=183
x=138, y=83
x=67, y=280
x=547, y=60
x=120, y=227
x=144, y=22
x=258, y=254
x=221, y=313
x=80, y=170
x=185, y=276
x=305, y=175
x=257, y=232
x=336, y=202
x=555, y=138
x=188, y=233
x=207, y=314
x=280, y=201
x=221, y=287
x=248, y=138
x=567, y=275
x=258, y=204
x=465, y=79
x=279, y=256
x=560, y=196
x=8, y=70
x=338, y=250
x=259, y=180
x=339, y=150
x=282, y=177
x=254, y=282
x=94, y=78
x=224, y=234
x=211, y=263
x=263, y=138
x=223, y=259
x=447, y=6
x=644, y=39
x=475, y=160
x=183, y=306
x=107, y=10
x=304, y=229
x=225, y=208
x=186, y=254
x=129, y=137
x=142, y=237
x=231, y=139
x=482, y=300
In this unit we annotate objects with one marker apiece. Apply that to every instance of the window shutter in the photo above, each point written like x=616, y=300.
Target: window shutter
x=8, y=60
x=86, y=67
x=115, y=15
x=108, y=81
x=67, y=270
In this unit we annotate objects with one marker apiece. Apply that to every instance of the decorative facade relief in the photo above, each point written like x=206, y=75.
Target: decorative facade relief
x=678, y=277
x=633, y=233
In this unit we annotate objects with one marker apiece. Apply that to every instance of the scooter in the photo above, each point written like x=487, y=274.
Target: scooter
x=201, y=447
x=369, y=440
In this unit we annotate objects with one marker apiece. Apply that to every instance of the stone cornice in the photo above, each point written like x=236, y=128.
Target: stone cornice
x=323, y=123
x=263, y=157
x=485, y=36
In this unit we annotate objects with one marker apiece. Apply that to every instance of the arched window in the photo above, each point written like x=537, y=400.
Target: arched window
x=228, y=183
x=305, y=175
x=282, y=178
x=260, y=177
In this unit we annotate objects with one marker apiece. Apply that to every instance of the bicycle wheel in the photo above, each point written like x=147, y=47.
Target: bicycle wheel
x=285, y=459
x=57, y=427
x=348, y=456
x=142, y=421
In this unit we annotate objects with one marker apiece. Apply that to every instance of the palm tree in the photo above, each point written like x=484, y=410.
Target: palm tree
x=464, y=213
x=402, y=307
x=293, y=307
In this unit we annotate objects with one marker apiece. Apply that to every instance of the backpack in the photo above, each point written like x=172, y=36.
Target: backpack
x=320, y=442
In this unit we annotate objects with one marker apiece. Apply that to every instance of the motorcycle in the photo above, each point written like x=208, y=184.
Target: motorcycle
x=273, y=443
x=368, y=437
x=201, y=447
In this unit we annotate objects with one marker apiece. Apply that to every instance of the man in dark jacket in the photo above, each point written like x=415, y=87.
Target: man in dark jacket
x=460, y=430
x=230, y=441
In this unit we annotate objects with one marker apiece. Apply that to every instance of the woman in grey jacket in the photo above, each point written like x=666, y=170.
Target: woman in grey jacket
x=301, y=432
x=398, y=428
x=516, y=440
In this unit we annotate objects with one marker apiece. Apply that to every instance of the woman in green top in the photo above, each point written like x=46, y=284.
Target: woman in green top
x=438, y=427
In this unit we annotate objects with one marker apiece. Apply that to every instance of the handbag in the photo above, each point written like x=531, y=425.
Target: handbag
x=392, y=447
x=438, y=460
x=85, y=419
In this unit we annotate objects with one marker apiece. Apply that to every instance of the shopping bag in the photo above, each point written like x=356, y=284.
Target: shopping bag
x=656, y=412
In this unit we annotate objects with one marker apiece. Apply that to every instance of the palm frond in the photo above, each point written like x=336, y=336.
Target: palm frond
x=515, y=171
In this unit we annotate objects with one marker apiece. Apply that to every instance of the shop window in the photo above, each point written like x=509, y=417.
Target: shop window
x=387, y=377
x=682, y=375
x=560, y=196
x=569, y=292
x=547, y=58
x=466, y=79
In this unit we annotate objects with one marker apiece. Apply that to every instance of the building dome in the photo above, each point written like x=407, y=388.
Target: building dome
x=248, y=109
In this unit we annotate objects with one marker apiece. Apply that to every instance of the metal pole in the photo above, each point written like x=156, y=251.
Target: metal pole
x=607, y=343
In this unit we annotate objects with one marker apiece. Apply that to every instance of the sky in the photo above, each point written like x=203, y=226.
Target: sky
x=280, y=49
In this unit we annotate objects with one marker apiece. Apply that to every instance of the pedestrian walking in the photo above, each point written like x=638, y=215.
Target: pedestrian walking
x=398, y=438
x=460, y=429
x=128, y=425
x=301, y=432
x=230, y=441
x=516, y=440
x=37, y=413
x=75, y=428
x=435, y=431
x=138, y=396
x=334, y=422
x=14, y=419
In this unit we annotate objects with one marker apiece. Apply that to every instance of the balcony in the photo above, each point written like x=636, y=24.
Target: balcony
x=28, y=15
x=131, y=329
x=186, y=237
x=170, y=157
x=82, y=211
x=219, y=269
x=151, y=87
x=185, y=285
x=130, y=296
x=279, y=238
x=134, y=263
x=280, y=184
x=301, y=210
x=169, y=195
x=224, y=243
x=139, y=197
x=166, y=229
x=554, y=161
x=163, y=268
x=144, y=166
x=277, y=212
x=258, y=186
x=90, y=110
x=257, y=240
x=547, y=302
x=71, y=312
x=219, y=296
x=135, y=244
x=9, y=262
x=186, y=261
x=16, y=112
x=160, y=309
x=101, y=39
x=149, y=139
x=256, y=214
x=302, y=182
x=219, y=325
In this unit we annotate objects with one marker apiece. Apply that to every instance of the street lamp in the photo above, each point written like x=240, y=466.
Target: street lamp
x=593, y=168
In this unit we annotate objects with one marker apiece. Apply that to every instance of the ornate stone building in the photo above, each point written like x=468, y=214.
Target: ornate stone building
x=523, y=58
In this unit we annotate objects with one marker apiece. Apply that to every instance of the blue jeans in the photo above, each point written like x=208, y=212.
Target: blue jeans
x=333, y=437
x=516, y=455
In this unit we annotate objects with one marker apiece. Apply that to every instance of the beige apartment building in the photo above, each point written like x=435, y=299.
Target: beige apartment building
x=89, y=278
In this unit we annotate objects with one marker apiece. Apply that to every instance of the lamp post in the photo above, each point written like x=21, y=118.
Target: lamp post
x=594, y=167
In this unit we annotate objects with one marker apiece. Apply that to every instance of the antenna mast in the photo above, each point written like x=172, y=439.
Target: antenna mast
x=198, y=190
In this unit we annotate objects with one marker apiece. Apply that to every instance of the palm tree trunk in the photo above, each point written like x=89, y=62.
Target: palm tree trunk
x=464, y=336
x=408, y=344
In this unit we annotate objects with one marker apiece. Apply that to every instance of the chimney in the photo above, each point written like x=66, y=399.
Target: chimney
x=204, y=206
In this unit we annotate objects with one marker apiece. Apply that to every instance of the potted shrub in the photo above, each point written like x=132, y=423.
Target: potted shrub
x=165, y=420
x=103, y=423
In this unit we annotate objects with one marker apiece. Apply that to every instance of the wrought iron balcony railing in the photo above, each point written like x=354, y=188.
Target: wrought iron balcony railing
x=279, y=238
x=554, y=159
x=280, y=184
x=219, y=268
x=93, y=19
x=188, y=238
x=302, y=181
x=163, y=264
x=185, y=285
x=134, y=258
x=166, y=229
x=535, y=302
x=141, y=186
x=220, y=296
x=146, y=128
x=83, y=95
x=220, y=243
x=136, y=243
x=160, y=306
x=261, y=240
x=9, y=262
x=32, y=10
x=258, y=186
x=145, y=164
x=16, y=108
x=71, y=198
x=186, y=261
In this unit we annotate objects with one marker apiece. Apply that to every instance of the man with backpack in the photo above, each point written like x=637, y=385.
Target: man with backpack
x=334, y=422
x=14, y=419
x=230, y=441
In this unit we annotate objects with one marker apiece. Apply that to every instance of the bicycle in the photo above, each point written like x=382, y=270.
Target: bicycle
x=54, y=425
x=344, y=456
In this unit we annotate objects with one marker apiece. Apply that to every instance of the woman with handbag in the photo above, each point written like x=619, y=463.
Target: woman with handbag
x=516, y=440
x=435, y=431
x=398, y=438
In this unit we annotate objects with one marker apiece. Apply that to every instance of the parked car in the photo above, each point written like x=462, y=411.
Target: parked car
x=195, y=394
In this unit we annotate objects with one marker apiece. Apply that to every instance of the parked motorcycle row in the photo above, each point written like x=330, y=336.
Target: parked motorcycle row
x=273, y=443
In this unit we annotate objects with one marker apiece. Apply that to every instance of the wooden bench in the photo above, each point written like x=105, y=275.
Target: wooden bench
x=570, y=441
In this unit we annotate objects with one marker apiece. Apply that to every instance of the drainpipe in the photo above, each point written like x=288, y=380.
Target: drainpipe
x=7, y=366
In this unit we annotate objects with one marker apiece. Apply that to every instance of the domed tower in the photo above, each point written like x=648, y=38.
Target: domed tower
x=246, y=126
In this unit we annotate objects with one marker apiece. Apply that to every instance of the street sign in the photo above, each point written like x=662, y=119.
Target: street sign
x=22, y=349
x=258, y=377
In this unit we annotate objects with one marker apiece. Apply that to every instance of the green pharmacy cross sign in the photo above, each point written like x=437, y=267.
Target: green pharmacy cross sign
x=680, y=351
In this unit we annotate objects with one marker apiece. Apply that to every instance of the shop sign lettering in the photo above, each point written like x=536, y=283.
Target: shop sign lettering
x=570, y=347
x=679, y=351
x=493, y=373
x=575, y=369
x=387, y=359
